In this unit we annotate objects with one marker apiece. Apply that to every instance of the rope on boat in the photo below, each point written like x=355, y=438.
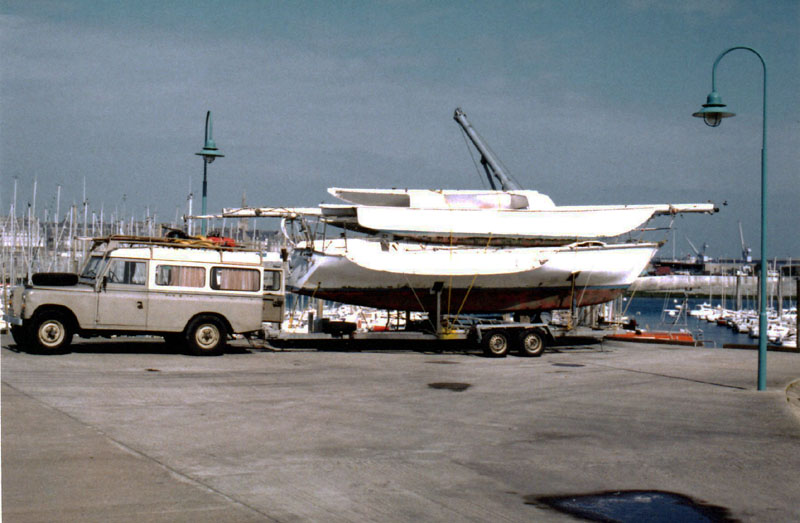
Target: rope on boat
x=450, y=286
x=630, y=300
x=421, y=306
x=469, y=289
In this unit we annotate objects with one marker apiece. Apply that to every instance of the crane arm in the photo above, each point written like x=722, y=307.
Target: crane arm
x=489, y=161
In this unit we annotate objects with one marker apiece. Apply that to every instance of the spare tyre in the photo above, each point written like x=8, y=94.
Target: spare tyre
x=55, y=279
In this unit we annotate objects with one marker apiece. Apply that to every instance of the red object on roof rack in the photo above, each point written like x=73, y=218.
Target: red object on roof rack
x=223, y=241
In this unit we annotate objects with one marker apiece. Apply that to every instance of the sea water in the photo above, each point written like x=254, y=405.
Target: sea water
x=649, y=315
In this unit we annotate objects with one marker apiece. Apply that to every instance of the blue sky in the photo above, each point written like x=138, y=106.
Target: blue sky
x=588, y=102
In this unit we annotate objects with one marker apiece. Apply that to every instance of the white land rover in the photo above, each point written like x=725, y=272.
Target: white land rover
x=189, y=292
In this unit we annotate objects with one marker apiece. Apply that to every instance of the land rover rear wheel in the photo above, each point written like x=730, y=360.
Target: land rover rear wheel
x=495, y=344
x=206, y=336
x=50, y=332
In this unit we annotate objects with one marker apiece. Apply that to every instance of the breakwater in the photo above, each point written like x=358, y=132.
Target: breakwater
x=705, y=285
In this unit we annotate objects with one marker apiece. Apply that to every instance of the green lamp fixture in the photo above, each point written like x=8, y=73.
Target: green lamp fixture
x=713, y=110
x=209, y=154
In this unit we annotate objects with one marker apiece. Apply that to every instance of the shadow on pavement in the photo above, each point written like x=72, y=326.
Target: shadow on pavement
x=122, y=346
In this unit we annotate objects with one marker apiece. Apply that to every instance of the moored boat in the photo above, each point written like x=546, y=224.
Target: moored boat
x=663, y=337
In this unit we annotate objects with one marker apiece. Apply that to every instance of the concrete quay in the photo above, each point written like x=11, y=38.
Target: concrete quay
x=128, y=430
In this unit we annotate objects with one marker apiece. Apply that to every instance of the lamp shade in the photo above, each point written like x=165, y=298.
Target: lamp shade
x=713, y=110
x=210, y=151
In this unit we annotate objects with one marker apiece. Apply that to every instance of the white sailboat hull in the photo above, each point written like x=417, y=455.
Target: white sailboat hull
x=400, y=275
x=516, y=214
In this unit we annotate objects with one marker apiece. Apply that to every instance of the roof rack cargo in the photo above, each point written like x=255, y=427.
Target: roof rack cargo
x=188, y=243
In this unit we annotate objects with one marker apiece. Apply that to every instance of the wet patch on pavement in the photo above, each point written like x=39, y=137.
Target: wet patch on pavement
x=454, y=386
x=568, y=365
x=624, y=506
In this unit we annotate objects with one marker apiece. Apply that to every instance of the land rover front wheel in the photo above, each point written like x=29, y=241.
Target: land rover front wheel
x=50, y=332
x=206, y=336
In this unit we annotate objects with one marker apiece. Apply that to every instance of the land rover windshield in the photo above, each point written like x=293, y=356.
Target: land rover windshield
x=92, y=268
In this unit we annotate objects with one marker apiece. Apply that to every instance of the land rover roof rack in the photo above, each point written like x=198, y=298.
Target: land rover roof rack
x=187, y=243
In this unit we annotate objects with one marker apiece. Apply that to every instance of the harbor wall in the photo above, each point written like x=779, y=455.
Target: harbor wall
x=704, y=285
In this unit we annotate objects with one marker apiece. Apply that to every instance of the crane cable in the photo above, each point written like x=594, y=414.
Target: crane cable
x=472, y=156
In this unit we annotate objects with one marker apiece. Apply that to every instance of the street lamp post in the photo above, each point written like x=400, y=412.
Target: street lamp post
x=712, y=113
x=209, y=154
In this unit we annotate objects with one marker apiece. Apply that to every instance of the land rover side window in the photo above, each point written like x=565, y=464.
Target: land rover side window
x=272, y=280
x=224, y=279
x=127, y=272
x=180, y=276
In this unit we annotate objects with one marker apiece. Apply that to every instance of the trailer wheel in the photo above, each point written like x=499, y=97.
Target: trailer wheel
x=495, y=344
x=206, y=336
x=50, y=332
x=531, y=343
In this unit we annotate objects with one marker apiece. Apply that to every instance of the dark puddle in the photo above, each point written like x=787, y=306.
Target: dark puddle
x=567, y=365
x=623, y=506
x=455, y=387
